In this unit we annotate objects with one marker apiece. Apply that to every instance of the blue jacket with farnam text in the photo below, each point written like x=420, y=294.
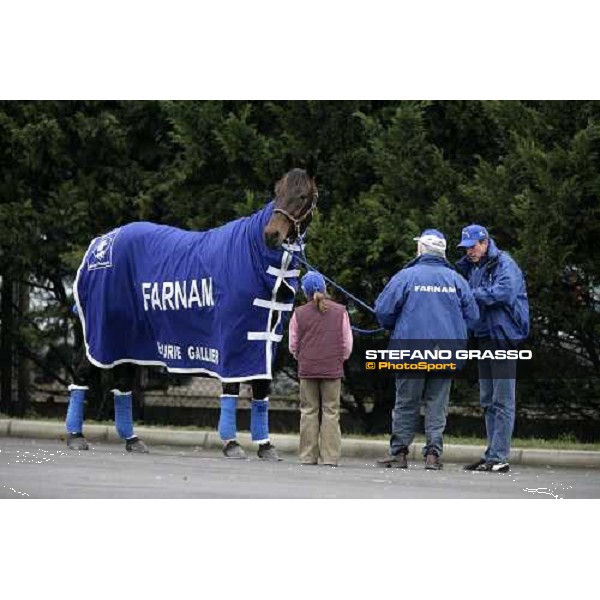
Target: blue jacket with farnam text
x=427, y=300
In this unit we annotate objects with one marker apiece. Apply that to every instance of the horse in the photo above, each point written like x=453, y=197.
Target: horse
x=209, y=303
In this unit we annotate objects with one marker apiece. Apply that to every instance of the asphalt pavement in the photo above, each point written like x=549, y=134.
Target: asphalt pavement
x=45, y=468
x=352, y=447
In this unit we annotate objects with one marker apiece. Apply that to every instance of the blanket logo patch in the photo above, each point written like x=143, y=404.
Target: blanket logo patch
x=101, y=253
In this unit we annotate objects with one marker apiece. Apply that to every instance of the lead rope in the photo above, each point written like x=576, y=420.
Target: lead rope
x=302, y=258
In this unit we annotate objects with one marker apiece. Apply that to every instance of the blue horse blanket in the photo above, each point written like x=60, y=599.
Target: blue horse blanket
x=195, y=302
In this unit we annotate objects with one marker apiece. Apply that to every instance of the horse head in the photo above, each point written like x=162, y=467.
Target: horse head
x=295, y=201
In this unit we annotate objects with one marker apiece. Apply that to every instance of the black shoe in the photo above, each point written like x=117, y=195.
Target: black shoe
x=433, y=462
x=393, y=461
x=474, y=466
x=495, y=467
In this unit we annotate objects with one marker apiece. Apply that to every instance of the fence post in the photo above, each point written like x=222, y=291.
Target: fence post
x=23, y=363
x=6, y=346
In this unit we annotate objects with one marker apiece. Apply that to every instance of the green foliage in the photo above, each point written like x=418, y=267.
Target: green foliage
x=386, y=170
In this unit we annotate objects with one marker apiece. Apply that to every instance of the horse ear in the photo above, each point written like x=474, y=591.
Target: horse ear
x=312, y=168
x=313, y=182
x=280, y=187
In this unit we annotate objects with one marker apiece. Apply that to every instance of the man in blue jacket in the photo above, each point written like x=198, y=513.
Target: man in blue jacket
x=499, y=288
x=426, y=303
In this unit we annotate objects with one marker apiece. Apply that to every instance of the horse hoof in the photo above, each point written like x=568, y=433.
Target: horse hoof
x=268, y=452
x=136, y=445
x=233, y=450
x=76, y=441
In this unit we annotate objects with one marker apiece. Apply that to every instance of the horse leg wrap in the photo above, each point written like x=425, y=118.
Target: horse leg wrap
x=227, y=422
x=123, y=414
x=259, y=421
x=75, y=412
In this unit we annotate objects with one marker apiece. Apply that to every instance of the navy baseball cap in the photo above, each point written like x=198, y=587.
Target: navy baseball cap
x=472, y=234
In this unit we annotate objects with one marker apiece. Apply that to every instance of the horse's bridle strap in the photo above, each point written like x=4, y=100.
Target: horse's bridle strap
x=297, y=220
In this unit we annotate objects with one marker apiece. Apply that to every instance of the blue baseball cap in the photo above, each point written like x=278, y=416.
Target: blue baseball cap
x=472, y=234
x=313, y=282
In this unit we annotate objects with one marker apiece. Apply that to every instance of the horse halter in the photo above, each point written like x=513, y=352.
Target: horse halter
x=296, y=221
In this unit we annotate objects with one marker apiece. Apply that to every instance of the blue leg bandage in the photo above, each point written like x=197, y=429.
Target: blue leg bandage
x=227, y=424
x=259, y=421
x=76, y=408
x=123, y=414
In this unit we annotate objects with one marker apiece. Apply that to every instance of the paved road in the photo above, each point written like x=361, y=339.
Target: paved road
x=46, y=469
